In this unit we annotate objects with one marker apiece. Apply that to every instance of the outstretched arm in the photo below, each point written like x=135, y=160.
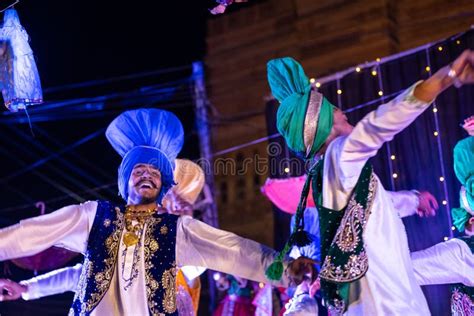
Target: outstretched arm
x=51, y=283
x=389, y=119
x=67, y=228
x=409, y=203
x=199, y=244
x=445, y=263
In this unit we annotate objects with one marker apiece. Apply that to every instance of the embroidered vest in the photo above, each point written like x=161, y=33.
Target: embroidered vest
x=462, y=299
x=101, y=257
x=342, y=247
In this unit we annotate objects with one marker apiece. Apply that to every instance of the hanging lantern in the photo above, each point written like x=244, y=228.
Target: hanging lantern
x=19, y=78
x=222, y=5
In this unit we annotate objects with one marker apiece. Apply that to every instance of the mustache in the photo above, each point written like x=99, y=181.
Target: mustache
x=141, y=181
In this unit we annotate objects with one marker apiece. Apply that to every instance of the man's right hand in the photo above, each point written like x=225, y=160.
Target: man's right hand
x=10, y=290
x=302, y=269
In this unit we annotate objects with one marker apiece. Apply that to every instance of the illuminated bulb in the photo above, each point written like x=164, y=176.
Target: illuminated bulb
x=458, y=42
x=339, y=91
x=446, y=238
x=378, y=60
x=435, y=133
x=261, y=285
x=358, y=69
x=374, y=73
x=440, y=48
x=428, y=68
x=380, y=93
x=287, y=170
x=312, y=80
x=453, y=228
x=318, y=84
x=441, y=179
x=435, y=110
x=445, y=202
x=392, y=157
x=395, y=175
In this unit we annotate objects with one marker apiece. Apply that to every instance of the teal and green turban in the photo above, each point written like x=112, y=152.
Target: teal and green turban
x=305, y=120
x=464, y=169
x=305, y=117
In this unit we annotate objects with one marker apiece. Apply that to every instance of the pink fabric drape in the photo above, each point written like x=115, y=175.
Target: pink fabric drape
x=286, y=193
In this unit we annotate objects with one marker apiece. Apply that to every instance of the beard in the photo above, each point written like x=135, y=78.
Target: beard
x=147, y=199
x=144, y=197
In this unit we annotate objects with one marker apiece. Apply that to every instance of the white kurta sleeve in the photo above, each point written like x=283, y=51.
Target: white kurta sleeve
x=405, y=202
x=192, y=272
x=376, y=128
x=51, y=283
x=201, y=245
x=444, y=263
x=67, y=227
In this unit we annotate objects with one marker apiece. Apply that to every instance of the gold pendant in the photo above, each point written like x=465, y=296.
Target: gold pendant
x=130, y=239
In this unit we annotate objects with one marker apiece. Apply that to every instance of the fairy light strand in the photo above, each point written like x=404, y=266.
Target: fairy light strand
x=440, y=150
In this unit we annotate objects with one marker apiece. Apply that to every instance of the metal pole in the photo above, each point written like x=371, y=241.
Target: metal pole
x=204, y=133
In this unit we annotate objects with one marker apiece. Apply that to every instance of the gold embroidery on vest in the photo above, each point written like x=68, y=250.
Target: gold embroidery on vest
x=103, y=278
x=163, y=230
x=168, y=280
x=347, y=238
x=461, y=303
x=152, y=285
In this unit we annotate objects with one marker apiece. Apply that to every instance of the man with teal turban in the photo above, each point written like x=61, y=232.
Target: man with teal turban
x=452, y=262
x=131, y=251
x=366, y=265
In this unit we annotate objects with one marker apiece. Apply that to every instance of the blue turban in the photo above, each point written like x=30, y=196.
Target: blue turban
x=148, y=136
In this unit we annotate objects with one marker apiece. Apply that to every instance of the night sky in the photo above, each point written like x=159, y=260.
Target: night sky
x=81, y=41
x=76, y=41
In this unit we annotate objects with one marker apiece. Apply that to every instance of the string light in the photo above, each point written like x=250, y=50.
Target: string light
x=287, y=170
x=428, y=69
x=380, y=93
x=440, y=147
x=318, y=84
x=446, y=238
x=312, y=80
x=358, y=69
x=458, y=42
x=453, y=228
x=377, y=60
x=339, y=91
x=374, y=72
x=392, y=157
x=394, y=175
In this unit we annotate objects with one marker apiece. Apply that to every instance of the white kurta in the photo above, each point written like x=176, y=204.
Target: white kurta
x=389, y=287
x=445, y=263
x=197, y=244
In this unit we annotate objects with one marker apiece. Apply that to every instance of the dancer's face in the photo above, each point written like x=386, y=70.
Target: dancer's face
x=340, y=124
x=469, y=229
x=144, y=184
x=340, y=127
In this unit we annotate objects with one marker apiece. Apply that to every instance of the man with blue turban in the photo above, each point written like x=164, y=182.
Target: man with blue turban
x=131, y=252
x=366, y=265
